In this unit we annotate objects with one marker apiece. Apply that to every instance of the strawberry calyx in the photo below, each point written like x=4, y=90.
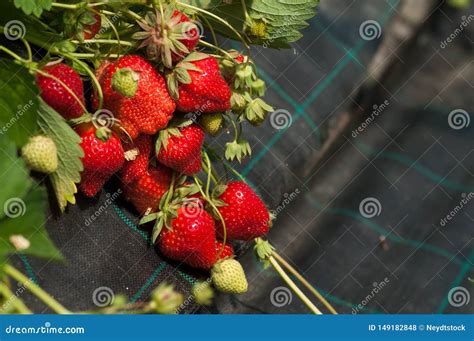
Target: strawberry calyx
x=173, y=129
x=180, y=73
x=164, y=39
x=103, y=134
x=179, y=195
x=125, y=82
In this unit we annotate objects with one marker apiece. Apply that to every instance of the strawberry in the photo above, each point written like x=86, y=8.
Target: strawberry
x=245, y=215
x=180, y=148
x=227, y=252
x=56, y=95
x=228, y=276
x=136, y=94
x=146, y=190
x=191, y=239
x=40, y=154
x=205, y=91
x=137, y=154
x=92, y=27
x=170, y=43
x=212, y=123
x=103, y=156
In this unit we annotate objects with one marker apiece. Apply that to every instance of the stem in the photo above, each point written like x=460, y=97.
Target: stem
x=92, y=76
x=28, y=49
x=226, y=165
x=244, y=8
x=16, y=302
x=103, y=41
x=303, y=281
x=76, y=6
x=215, y=17
x=293, y=286
x=63, y=84
x=214, y=175
x=169, y=195
x=12, y=54
x=213, y=33
x=36, y=290
x=221, y=218
x=212, y=46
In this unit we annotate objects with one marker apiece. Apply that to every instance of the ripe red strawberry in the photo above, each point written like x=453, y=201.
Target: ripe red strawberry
x=180, y=148
x=56, y=95
x=89, y=31
x=145, y=191
x=240, y=58
x=103, y=156
x=227, y=252
x=245, y=215
x=191, y=239
x=207, y=92
x=190, y=35
x=137, y=154
x=136, y=94
x=170, y=43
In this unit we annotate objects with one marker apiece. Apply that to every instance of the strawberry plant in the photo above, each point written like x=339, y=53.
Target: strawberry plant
x=134, y=89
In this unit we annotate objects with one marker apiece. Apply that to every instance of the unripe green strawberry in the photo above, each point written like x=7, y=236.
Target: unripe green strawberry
x=40, y=154
x=228, y=276
x=212, y=123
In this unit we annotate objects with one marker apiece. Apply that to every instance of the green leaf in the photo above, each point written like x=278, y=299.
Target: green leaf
x=23, y=208
x=272, y=23
x=35, y=7
x=69, y=154
x=18, y=102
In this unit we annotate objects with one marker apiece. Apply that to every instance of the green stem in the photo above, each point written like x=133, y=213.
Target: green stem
x=92, y=76
x=36, y=290
x=78, y=5
x=212, y=46
x=215, y=17
x=221, y=218
x=28, y=49
x=213, y=33
x=16, y=302
x=12, y=54
x=103, y=41
x=293, y=286
x=305, y=283
x=169, y=195
x=63, y=84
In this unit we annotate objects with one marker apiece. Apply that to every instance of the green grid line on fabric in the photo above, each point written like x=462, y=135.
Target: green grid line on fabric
x=457, y=281
x=349, y=55
x=416, y=244
x=134, y=227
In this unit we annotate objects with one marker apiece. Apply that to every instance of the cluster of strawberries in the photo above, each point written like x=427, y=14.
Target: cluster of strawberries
x=150, y=143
